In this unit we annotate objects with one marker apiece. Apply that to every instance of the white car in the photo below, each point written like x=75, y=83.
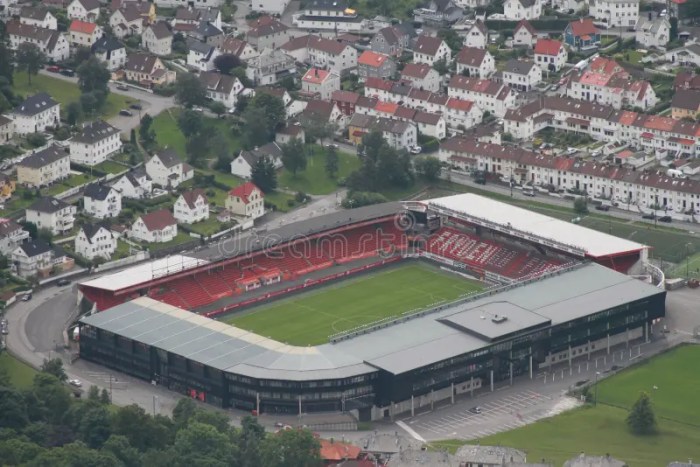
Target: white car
x=75, y=382
x=415, y=149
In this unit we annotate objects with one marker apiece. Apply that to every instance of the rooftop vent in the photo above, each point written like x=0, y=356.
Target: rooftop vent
x=499, y=319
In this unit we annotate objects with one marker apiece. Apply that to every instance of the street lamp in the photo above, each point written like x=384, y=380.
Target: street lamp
x=595, y=403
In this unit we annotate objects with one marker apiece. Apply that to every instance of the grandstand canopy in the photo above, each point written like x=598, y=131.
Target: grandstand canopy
x=510, y=219
x=145, y=272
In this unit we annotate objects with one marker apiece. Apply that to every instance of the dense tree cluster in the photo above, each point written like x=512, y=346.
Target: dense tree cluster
x=93, y=80
x=262, y=115
x=382, y=166
x=44, y=425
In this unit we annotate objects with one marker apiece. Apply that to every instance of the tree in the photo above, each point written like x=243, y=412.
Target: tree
x=53, y=397
x=74, y=112
x=54, y=367
x=673, y=34
x=293, y=156
x=93, y=394
x=29, y=59
x=190, y=123
x=18, y=451
x=226, y=62
x=332, y=162
x=318, y=130
x=105, y=398
x=216, y=419
x=7, y=66
x=120, y=448
x=36, y=140
x=13, y=408
x=273, y=109
x=146, y=133
x=441, y=66
x=218, y=108
x=189, y=90
x=641, y=419
x=452, y=39
x=91, y=102
x=581, y=205
x=93, y=79
x=291, y=448
x=182, y=413
x=202, y=444
x=95, y=427
x=255, y=129
x=132, y=137
x=31, y=228
x=428, y=167
x=263, y=175
x=46, y=235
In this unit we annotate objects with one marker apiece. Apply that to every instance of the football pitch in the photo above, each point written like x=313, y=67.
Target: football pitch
x=309, y=318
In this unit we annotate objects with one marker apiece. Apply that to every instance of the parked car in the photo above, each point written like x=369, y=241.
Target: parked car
x=136, y=106
x=332, y=145
x=26, y=297
x=122, y=87
x=75, y=382
x=197, y=108
x=53, y=69
x=666, y=219
x=62, y=282
x=476, y=409
x=603, y=207
x=67, y=72
x=415, y=149
x=125, y=113
x=648, y=216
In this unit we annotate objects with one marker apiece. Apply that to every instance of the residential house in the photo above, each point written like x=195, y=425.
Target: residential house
x=37, y=258
x=11, y=236
x=158, y=39
x=583, y=460
x=615, y=13
x=154, y=227
x=271, y=66
x=688, y=56
x=375, y=64
x=267, y=33
x=521, y=75
x=36, y=113
x=136, y=184
x=202, y=4
x=242, y=165
x=52, y=214
x=147, y=70
x=331, y=15
x=270, y=6
x=582, y=34
x=490, y=456
x=102, y=201
x=421, y=76
x=147, y=10
x=7, y=186
x=129, y=20
x=246, y=200
x=652, y=33
x=477, y=35
x=322, y=53
x=207, y=33
x=320, y=83
x=201, y=56
x=686, y=80
x=191, y=206
x=44, y=167
x=488, y=95
x=84, y=10
x=472, y=61
x=686, y=104
x=50, y=42
x=7, y=129
x=550, y=54
x=398, y=134
x=167, y=170
x=524, y=34
x=391, y=40
x=515, y=10
x=95, y=240
x=239, y=48
x=440, y=12
x=290, y=132
x=345, y=101
x=111, y=52
x=429, y=50
x=192, y=17
x=95, y=143
x=83, y=34
x=221, y=88
x=320, y=112
x=38, y=16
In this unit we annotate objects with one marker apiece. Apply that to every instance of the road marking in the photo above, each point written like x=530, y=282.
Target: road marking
x=410, y=431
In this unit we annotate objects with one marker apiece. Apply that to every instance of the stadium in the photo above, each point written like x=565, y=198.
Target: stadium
x=373, y=311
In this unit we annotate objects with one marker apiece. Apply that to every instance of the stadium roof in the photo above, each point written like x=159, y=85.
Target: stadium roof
x=417, y=342
x=592, y=242
x=144, y=272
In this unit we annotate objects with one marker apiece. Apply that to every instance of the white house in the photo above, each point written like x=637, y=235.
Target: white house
x=83, y=34
x=221, y=88
x=36, y=257
x=11, y=236
x=521, y=75
x=95, y=143
x=52, y=214
x=652, y=33
x=524, y=34
x=516, y=10
x=267, y=33
x=44, y=167
x=84, y=10
x=127, y=21
x=550, y=54
x=270, y=6
x=476, y=35
x=158, y=39
x=36, y=114
x=52, y=43
x=489, y=95
x=320, y=52
x=201, y=56
x=239, y=48
x=111, y=52
x=102, y=201
x=242, y=165
x=154, y=227
x=615, y=13
x=39, y=17
x=135, y=185
x=320, y=82
x=191, y=206
x=429, y=50
x=471, y=61
x=269, y=67
x=95, y=240
x=398, y=134
x=421, y=76
x=167, y=170
x=246, y=200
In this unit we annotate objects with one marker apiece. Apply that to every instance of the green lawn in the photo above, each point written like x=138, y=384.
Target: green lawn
x=111, y=167
x=309, y=319
x=21, y=374
x=123, y=250
x=281, y=200
x=692, y=267
x=182, y=237
x=64, y=92
x=209, y=226
x=600, y=430
x=70, y=182
x=314, y=180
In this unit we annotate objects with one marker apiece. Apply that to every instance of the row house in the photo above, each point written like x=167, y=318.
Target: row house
x=322, y=53
x=38, y=16
x=102, y=201
x=475, y=62
x=221, y=88
x=50, y=42
x=52, y=214
x=429, y=49
x=398, y=134
x=489, y=95
x=36, y=114
x=421, y=76
x=427, y=123
x=44, y=167
x=685, y=104
x=95, y=143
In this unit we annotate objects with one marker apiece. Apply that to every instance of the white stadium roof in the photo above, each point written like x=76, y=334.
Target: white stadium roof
x=145, y=272
x=510, y=218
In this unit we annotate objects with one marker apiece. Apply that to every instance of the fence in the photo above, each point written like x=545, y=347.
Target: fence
x=140, y=256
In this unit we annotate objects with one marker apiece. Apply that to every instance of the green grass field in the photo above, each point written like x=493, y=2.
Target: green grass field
x=309, y=319
x=314, y=179
x=169, y=134
x=21, y=374
x=601, y=429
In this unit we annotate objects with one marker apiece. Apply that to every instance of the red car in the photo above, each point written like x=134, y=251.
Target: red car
x=53, y=69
